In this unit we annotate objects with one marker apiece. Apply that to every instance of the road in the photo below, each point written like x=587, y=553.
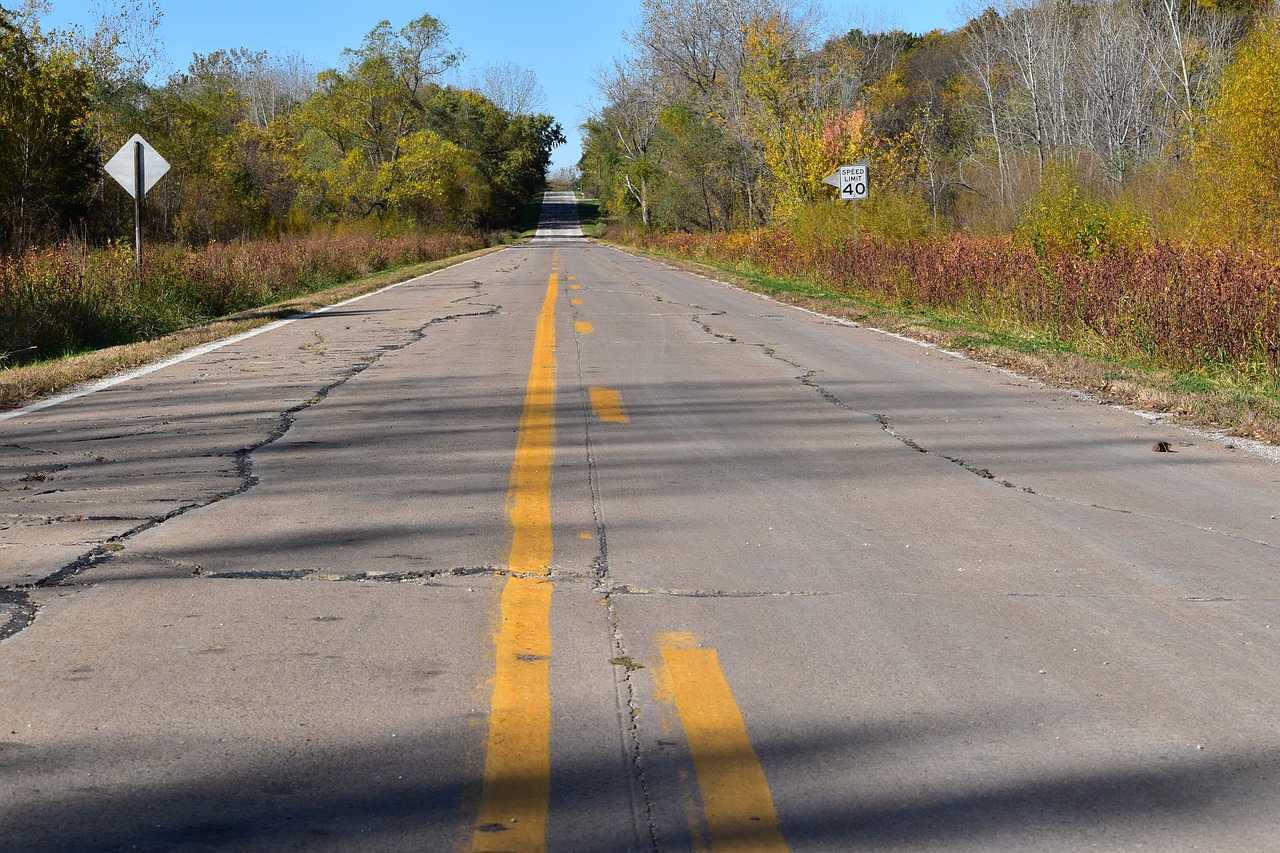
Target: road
x=565, y=549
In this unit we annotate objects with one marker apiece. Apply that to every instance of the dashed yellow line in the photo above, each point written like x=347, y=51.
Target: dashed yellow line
x=516, y=796
x=583, y=327
x=607, y=404
x=741, y=817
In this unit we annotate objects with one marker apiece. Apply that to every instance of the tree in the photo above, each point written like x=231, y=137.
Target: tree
x=46, y=161
x=696, y=191
x=1239, y=150
x=802, y=135
x=512, y=152
x=629, y=124
x=694, y=51
x=512, y=88
x=368, y=109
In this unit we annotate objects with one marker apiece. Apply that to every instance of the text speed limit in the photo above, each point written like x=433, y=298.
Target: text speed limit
x=854, y=182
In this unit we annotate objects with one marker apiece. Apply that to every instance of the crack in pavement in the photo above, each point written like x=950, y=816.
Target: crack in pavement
x=355, y=577
x=887, y=426
x=985, y=474
x=26, y=610
x=627, y=589
x=626, y=698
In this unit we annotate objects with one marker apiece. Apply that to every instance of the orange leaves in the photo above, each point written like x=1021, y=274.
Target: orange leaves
x=843, y=135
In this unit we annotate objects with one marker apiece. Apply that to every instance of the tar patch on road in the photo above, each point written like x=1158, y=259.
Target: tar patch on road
x=17, y=611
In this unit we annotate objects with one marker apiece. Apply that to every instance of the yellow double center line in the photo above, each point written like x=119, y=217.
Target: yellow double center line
x=517, y=772
x=516, y=797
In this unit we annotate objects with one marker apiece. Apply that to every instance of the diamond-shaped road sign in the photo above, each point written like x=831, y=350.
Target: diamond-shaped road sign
x=124, y=166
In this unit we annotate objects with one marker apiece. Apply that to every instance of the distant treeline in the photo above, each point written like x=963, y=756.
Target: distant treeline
x=1139, y=119
x=260, y=146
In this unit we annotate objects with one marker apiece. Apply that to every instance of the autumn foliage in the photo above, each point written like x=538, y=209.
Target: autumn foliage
x=1160, y=305
x=66, y=299
x=1239, y=153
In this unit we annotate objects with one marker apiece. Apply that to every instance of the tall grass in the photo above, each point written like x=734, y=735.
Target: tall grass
x=66, y=299
x=1162, y=305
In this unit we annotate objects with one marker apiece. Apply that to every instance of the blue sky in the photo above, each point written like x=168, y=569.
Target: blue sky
x=564, y=43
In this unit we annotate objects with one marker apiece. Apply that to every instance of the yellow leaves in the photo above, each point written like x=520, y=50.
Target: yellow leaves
x=897, y=161
x=433, y=177
x=1063, y=219
x=801, y=138
x=1238, y=155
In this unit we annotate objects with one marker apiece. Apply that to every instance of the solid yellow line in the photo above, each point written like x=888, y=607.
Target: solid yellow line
x=517, y=769
x=735, y=795
x=607, y=404
x=516, y=795
x=529, y=494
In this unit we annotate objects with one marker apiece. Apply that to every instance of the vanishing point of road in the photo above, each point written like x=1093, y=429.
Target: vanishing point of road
x=564, y=549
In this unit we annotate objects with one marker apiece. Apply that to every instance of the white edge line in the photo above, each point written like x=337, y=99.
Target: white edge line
x=203, y=349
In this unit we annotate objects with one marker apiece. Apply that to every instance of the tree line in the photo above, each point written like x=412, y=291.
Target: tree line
x=259, y=145
x=727, y=114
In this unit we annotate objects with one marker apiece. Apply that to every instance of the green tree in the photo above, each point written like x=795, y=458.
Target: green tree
x=512, y=152
x=196, y=122
x=365, y=112
x=46, y=162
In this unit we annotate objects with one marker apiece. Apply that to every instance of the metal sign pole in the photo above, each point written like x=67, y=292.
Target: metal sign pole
x=854, y=183
x=139, y=185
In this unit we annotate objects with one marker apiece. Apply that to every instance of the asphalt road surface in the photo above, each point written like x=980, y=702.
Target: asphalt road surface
x=564, y=549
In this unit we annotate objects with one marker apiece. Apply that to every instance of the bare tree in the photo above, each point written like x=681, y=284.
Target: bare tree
x=1195, y=45
x=696, y=50
x=273, y=86
x=565, y=176
x=1115, y=81
x=634, y=103
x=984, y=61
x=511, y=87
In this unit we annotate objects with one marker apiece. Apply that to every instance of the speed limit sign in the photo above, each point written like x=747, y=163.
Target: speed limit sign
x=854, y=182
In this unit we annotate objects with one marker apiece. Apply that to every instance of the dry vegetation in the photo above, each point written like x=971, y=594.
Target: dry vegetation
x=1206, y=357
x=24, y=384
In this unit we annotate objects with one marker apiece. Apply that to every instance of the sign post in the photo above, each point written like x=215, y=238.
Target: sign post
x=137, y=167
x=854, y=184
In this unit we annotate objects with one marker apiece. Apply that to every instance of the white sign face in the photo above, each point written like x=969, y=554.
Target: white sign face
x=855, y=182
x=123, y=166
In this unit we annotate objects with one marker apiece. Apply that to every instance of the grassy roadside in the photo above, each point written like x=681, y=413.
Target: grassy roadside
x=527, y=216
x=22, y=385
x=1207, y=403
x=589, y=216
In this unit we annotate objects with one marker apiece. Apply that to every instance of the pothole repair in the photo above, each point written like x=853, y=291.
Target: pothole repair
x=17, y=611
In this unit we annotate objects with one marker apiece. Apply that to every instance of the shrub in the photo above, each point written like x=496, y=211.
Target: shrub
x=1166, y=305
x=67, y=299
x=1061, y=218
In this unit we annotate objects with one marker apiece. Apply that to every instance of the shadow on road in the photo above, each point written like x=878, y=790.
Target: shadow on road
x=412, y=795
